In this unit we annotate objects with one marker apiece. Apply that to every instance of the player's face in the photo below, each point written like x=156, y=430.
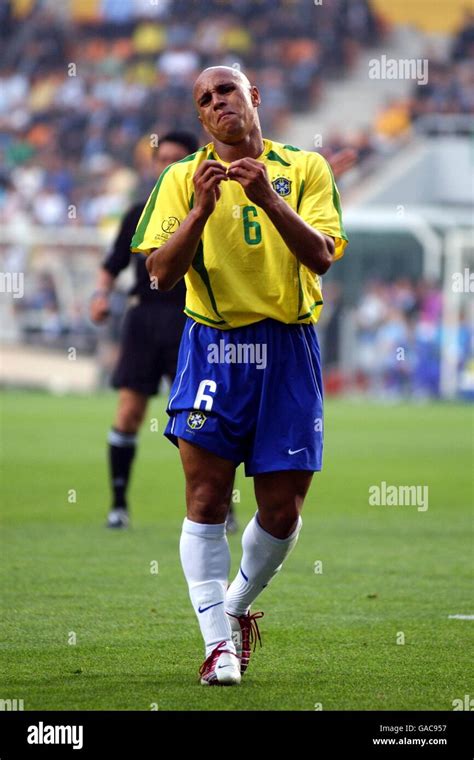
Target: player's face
x=168, y=153
x=226, y=105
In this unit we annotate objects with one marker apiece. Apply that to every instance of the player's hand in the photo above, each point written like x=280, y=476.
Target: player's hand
x=342, y=160
x=206, y=186
x=99, y=307
x=253, y=177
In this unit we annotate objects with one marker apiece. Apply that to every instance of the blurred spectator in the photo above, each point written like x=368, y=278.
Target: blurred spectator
x=49, y=207
x=394, y=121
x=463, y=47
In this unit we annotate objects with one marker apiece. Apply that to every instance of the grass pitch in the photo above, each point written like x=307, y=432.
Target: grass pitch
x=87, y=624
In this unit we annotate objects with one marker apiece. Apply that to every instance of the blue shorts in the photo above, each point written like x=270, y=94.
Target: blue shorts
x=252, y=394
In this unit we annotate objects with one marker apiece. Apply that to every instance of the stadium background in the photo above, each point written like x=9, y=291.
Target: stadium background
x=85, y=86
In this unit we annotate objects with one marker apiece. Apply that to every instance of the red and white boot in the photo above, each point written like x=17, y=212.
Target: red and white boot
x=245, y=633
x=221, y=668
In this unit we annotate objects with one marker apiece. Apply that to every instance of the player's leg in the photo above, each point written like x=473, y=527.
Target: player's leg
x=122, y=443
x=211, y=425
x=286, y=450
x=136, y=377
x=205, y=556
x=266, y=542
x=270, y=535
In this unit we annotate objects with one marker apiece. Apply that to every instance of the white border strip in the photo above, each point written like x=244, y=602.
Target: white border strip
x=185, y=366
x=308, y=350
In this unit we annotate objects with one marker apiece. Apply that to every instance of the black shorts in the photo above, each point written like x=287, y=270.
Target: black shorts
x=148, y=348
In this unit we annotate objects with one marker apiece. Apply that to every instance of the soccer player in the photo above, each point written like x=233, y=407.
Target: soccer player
x=251, y=224
x=150, y=336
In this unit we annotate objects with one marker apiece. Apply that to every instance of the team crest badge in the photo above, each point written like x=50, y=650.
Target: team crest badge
x=282, y=186
x=196, y=420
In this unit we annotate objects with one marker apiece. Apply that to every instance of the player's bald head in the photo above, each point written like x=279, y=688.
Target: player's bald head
x=213, y=73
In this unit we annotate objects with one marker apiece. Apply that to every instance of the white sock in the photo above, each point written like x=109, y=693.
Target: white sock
x=262, y=558
x=205, y=558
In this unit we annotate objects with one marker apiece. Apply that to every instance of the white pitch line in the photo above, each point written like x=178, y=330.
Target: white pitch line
x=461, y=617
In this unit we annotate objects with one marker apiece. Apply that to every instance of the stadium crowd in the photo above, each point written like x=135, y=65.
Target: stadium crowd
x=79, y=101
x=450, y=88
x=82, y=97
x=448, y=91
x=397, y=338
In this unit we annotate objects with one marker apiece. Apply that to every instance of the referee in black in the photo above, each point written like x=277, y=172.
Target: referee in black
x=150, y=336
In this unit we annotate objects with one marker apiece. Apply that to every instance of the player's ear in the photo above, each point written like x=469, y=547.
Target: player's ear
x=255, y=95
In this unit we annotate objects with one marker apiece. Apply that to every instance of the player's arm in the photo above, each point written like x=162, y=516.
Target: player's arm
x=314, y=249
x=342, y=161
x=99, y=303
x=311, y=247
x=171, y=261
x=117, y=260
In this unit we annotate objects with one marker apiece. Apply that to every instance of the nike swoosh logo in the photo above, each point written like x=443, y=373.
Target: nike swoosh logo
x=208, y=608
x=297, y=451
x=219, y=667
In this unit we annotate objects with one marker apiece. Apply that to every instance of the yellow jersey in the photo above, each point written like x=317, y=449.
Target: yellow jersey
x=243, y=270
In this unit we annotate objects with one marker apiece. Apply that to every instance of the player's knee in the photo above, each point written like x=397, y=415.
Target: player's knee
x=279, y=521
x=208, y=502
x=282, y=505
x=130, y=417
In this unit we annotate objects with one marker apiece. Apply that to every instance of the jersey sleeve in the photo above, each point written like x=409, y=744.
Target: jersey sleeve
x=166, y=208
x=320, y=205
